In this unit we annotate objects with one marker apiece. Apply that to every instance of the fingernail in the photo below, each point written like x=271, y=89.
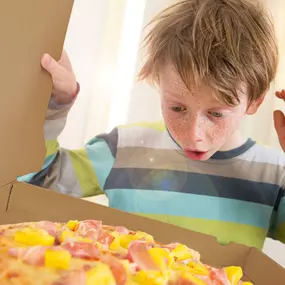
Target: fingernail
x=46, y=58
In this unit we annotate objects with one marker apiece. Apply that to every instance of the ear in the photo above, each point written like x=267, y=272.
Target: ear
x=254, y=105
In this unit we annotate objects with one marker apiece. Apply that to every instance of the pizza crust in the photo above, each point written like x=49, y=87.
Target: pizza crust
x=13, y=226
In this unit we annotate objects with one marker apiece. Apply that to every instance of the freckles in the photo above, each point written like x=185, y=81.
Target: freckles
x=176, y=125
x=219, y=132
x=225, y=128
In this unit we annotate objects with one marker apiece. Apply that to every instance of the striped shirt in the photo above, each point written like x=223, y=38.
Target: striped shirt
x=236, y=196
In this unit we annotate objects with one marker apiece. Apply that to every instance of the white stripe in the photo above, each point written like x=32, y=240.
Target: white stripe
x=53, y=128
x=145, y=137
x=264, y=154
x=139, y=136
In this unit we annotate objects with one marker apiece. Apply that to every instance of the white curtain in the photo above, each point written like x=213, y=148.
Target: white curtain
x=102, y=41
x=92, y=42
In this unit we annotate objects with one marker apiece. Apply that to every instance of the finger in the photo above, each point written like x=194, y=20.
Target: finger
x=280, y=94
x=279, y=121
x=49, y=64
x=65, y=61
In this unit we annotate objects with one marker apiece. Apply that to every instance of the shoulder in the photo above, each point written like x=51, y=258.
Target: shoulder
x=135, y=135
x=261, y=153
x=265, y=163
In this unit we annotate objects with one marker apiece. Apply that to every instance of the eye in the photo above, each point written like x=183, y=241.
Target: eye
x=178, y=109
x=216, y=114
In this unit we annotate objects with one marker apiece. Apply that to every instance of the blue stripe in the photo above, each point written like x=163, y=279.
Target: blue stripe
x=28, y=177
x=193, y=183
x=190, y=205
x=281, y=212
x=101, y=158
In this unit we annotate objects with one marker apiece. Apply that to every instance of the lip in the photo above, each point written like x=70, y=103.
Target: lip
x=195, y=154
x=194, y=150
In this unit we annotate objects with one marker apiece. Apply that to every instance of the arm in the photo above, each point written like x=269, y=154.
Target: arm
x=79, y=173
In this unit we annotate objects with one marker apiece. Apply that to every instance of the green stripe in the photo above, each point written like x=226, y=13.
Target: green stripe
x=225, y=232
x=280, y=232
x=85, y=173
x=52, y=147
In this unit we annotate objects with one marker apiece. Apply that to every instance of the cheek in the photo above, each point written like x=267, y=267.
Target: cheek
x=175, y=122
x=214, y=132
x=225, y=128
x=221, y=131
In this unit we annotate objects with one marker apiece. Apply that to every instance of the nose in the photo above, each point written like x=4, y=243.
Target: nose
x=196, y=128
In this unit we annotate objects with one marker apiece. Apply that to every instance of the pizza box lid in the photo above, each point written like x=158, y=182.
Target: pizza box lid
x=27, y=33
x=28, y=30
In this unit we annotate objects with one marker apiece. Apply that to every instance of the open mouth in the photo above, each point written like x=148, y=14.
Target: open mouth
x=196, y=155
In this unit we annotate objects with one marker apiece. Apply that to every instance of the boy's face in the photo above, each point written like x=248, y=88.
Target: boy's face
x=199, y=123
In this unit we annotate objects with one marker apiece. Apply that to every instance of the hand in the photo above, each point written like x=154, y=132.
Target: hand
x=279, y=121
x=64, y=81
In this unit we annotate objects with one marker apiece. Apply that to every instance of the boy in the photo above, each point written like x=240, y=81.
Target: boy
x=213, y=62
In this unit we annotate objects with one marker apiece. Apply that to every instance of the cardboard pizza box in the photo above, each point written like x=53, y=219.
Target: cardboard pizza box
x=28, y=29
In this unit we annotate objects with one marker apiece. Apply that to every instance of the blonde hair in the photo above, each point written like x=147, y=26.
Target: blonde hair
x=221, y=43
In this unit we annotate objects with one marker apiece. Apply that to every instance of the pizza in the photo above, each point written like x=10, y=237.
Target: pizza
x=89, y=252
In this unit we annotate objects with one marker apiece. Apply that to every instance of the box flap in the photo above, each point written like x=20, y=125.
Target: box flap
x=30, y=203
x=262, y=270
x=28, y=29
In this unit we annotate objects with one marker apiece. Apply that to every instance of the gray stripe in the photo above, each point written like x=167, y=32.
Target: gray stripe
x=192, y=183
x=55, y=121
x=61, y=176
x=39, y=178
x=112, y=140
x=147, y=158
x=52, y=128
